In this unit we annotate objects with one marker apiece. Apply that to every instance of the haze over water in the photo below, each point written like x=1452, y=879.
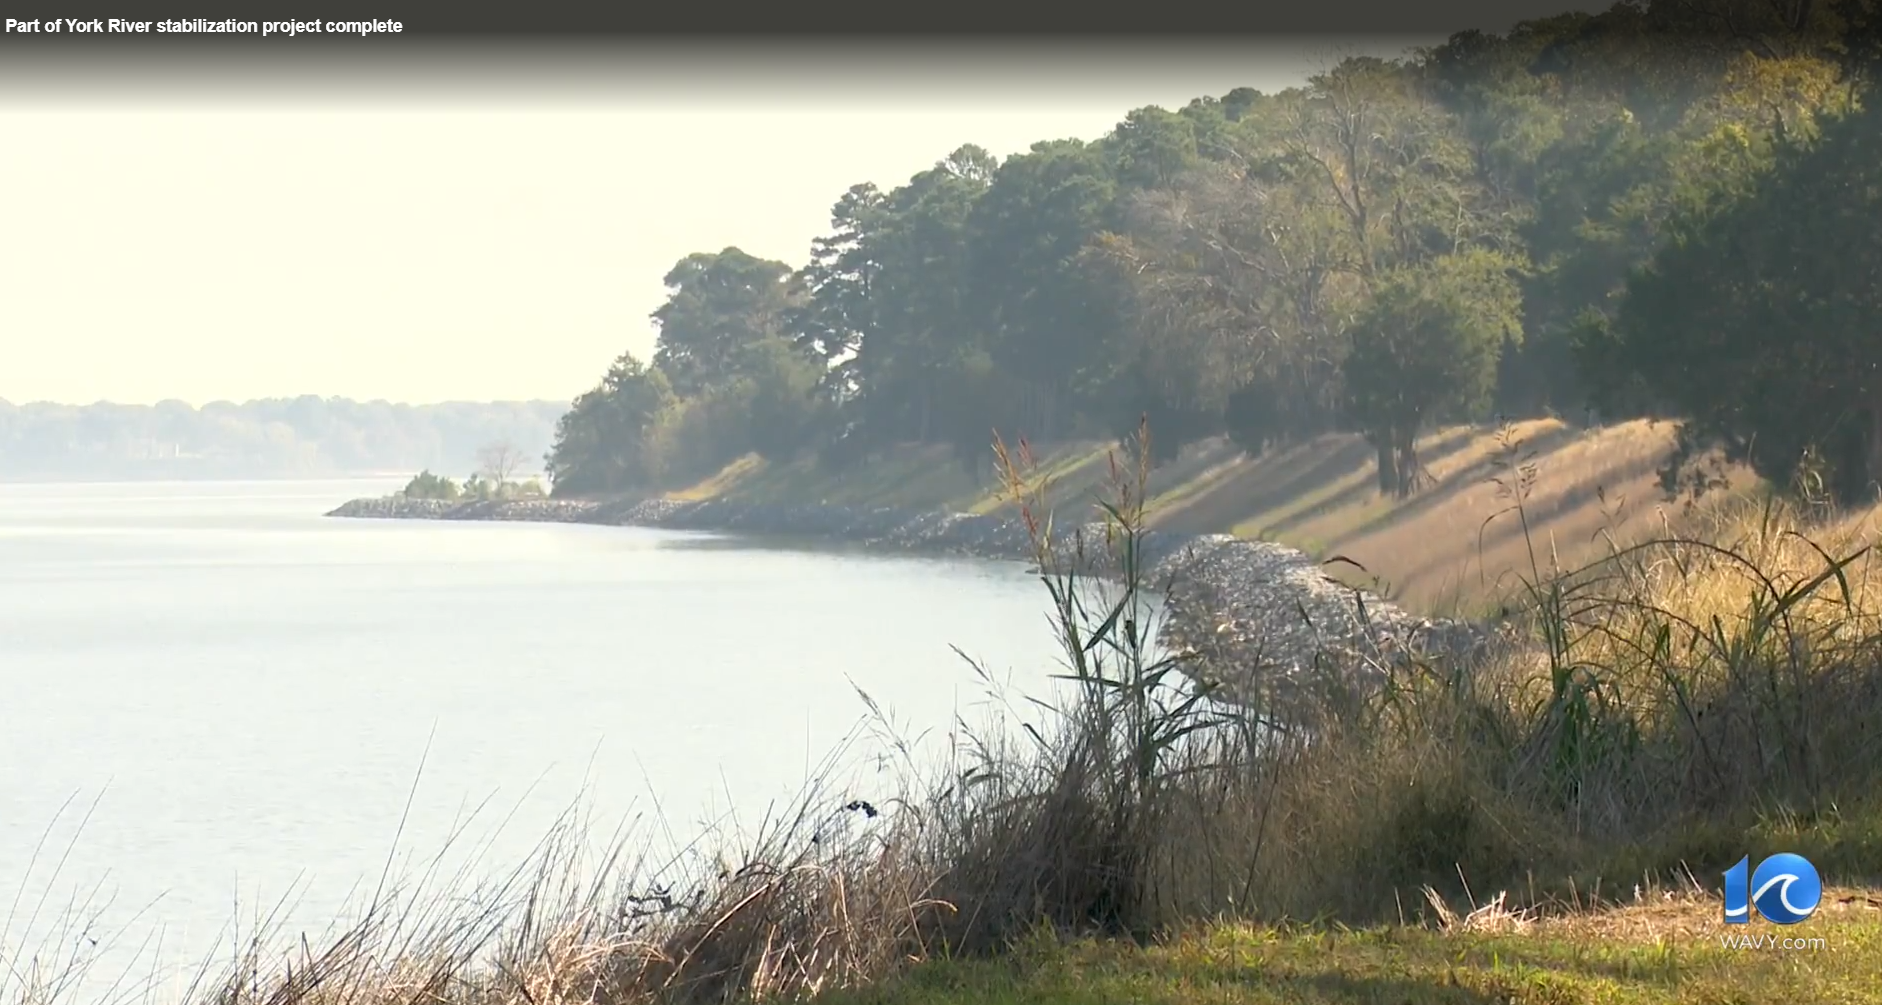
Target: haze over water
x=247, y=689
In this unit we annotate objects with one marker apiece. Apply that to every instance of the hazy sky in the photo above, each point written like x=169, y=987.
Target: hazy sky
x=489, y=226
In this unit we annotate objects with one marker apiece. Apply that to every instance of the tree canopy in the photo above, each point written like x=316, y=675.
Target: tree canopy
x=1658, y=209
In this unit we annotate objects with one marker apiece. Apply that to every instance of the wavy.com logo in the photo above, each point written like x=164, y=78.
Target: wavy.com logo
x=1785, y=889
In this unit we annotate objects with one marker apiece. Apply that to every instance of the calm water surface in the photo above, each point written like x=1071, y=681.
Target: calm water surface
x=246, y=690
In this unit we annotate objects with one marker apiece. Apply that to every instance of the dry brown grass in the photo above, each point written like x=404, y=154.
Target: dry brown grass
x=1456, y=545
x=1446, y=549
x=1688, y=915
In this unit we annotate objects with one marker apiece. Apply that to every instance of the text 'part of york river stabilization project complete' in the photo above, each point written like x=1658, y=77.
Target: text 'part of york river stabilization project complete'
x=196, y=26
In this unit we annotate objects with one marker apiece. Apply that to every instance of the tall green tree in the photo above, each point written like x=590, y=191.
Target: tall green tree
x=1154, y=146
x=1757, y=323
x=1044, y=323
x=840, y=304
x=717, y=305
x=924, y=323
x=603, y=443
x=1425, y=350
x=783, y=408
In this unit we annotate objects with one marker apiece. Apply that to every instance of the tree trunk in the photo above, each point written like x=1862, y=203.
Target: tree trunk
x=1873, y=477
x=1388, y=462
x=1411, y=474
x=1853, y=450
x=1858, y=464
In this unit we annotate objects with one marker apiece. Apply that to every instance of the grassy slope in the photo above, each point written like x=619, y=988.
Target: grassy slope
x=1444, y=549
x=1657, y=951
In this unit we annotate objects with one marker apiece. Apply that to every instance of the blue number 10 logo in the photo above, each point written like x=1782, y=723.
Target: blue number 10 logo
x=1785, y=888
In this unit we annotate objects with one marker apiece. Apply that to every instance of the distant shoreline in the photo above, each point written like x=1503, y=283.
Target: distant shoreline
x=182, y=478
x=1236, y=604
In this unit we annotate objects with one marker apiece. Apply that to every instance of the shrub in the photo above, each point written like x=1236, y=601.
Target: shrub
x=426, y=485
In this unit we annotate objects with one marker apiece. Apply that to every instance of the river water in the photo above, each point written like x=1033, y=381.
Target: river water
x=213, y=698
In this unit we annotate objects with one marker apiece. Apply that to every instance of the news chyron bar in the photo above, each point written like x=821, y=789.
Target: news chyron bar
x=197, y=26
x=555, y=19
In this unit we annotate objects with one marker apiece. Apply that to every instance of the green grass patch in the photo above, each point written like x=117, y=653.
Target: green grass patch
x=1402, y=965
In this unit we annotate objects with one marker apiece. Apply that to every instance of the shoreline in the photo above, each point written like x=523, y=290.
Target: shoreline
x=1237, y=605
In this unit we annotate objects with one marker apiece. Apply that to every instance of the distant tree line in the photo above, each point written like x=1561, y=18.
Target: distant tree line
x=1665, y=209
x=265, y=438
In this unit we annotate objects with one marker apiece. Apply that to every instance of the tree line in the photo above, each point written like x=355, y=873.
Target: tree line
x=1665, y=209
x=270, y=437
